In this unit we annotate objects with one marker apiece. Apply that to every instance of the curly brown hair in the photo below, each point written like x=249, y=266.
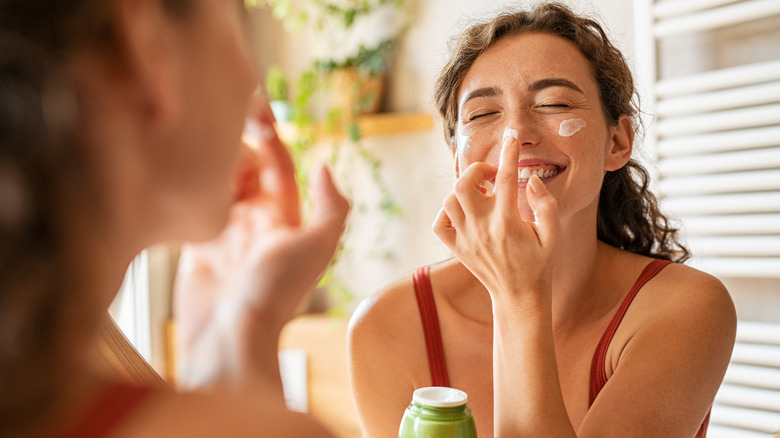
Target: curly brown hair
x=45, y=317
x=628, y=214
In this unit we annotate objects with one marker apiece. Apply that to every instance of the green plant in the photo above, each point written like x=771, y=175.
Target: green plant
x=276, y=83
x=351, y=44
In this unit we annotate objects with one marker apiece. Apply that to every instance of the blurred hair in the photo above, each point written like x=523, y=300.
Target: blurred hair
x=44, y=316
x=628, y=214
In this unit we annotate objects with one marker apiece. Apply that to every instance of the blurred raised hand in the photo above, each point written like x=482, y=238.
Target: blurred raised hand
x=234, y=294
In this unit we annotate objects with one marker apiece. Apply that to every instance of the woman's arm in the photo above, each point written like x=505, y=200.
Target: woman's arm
x=676, y=345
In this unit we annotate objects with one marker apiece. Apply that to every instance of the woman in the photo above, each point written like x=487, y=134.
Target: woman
x=559, y=315
x=120, y=127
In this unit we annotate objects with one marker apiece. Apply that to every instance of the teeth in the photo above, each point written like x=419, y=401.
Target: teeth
x=526, y=173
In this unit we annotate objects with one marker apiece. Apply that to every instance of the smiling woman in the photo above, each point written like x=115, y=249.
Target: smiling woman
x=563, y=312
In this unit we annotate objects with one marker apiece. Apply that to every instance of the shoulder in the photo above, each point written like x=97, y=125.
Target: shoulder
x=386, y=341
x=393, y=310
x=680, y=290
x=384, y=312
x=669, y=354
x=688, y=307
x=386, y=356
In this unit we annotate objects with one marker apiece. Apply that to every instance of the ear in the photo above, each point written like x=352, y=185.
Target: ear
x=621, y=144
x=145, y=40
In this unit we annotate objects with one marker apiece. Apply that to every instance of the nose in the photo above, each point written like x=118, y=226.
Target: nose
x=527, y=129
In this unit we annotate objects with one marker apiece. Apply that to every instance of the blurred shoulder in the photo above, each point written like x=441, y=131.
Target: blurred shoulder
x=211, y=414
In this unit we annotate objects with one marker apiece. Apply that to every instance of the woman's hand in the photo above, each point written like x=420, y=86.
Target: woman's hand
x=233, y=295
x=486, y=233
x=513, y=259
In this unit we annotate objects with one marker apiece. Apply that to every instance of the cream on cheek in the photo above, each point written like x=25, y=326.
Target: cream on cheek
x=464, y=144
x=570, y=127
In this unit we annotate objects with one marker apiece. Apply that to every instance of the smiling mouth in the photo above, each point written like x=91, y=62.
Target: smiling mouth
x=543, y=172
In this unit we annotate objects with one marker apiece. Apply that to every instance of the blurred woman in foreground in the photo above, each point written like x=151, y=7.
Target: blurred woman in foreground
x=120, y=128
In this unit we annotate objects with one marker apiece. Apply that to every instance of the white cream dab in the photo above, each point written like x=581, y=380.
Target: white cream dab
x=464, y=144
x=571, y=127
x=509, y=132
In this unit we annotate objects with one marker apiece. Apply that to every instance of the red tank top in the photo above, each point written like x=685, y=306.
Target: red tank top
x=108, y=411
x=598, y=376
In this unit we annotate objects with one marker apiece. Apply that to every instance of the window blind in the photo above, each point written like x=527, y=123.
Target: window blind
x=715, y=132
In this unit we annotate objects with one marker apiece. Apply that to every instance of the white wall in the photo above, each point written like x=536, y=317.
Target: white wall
x=425, y=47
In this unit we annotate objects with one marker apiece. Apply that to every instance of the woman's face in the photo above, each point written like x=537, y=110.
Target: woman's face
x=216, y=85
x=541, y=86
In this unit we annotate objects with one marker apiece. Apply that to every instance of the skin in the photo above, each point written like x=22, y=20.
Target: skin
x=162, y=116
x=531, y=289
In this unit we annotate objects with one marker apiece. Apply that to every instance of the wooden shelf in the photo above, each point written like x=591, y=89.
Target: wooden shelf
x=324, y=339
x=371, y=125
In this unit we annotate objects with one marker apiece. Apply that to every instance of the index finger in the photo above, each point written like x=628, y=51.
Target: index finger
x=276, y=170
x=506, y=178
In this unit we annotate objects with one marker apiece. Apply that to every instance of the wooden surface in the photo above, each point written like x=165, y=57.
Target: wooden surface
x=325, y=341
x=118, y=358
x=371, y=125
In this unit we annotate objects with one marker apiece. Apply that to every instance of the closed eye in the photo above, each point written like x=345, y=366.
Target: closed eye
x=478, y=116
x=555, y=105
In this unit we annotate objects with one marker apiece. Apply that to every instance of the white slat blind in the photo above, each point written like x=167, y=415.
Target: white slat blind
x=716, y=131
x=748, y=401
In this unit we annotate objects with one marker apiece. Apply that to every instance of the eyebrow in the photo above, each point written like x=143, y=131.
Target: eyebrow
x=554, y=82
x=481, y=92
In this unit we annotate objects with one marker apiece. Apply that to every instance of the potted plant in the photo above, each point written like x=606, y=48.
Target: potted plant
x=355, y=39
x=345, y=80
x=276, y=86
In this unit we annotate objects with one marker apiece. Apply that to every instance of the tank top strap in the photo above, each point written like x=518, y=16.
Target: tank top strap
x=430, y=323
x=598, y=374
x=116, y=404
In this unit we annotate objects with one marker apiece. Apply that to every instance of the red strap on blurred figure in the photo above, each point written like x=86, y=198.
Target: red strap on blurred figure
x=115, y=405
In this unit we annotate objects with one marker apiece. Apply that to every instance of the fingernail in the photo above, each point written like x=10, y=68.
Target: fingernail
x=251, y=135
x=509, y=132
x=536, y=184
x=267, y=132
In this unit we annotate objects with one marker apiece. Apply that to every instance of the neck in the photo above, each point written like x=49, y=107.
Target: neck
x=581, y=262
x=98, y=252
